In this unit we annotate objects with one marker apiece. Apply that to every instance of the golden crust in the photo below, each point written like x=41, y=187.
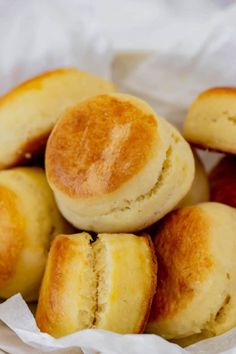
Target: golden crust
x=87, y=286
x=218, y=91
x=11, y=233
x=181, y=236
x=35, y=145
x=64, y=248
x=36, y=105
x=46, y=318
x=153, y=284
x=223, y=181
x=60, y=254
x=99, y=145
x=196, y=276
x=52, y=308
x=35, y=83
x=211, y=120
x=124, y=181
x=29, y=220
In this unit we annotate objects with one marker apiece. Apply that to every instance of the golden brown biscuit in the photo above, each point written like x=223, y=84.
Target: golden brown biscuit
x=114, y=166
x=196, y=290
x=223, y=181
x=211, y=120
x=108, y=284
x=29, y=112
x=29, y=220
x=199, y=191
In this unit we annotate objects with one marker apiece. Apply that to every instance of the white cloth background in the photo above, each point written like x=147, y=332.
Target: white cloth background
x=165, y=51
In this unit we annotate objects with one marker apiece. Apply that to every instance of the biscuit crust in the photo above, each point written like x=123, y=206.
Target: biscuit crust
x=87, y=285
x=100, y=145
x=29, y=111
x=196, y=286
x=211, y=120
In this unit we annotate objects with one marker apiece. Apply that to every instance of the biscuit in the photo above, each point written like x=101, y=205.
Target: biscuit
x=29, y=112
x=115, y=166
x=29, y=220
x=211, y=120
x=108, y=284
x=196, y=289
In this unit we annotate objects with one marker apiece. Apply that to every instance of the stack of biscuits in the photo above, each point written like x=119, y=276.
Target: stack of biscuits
x=105, y=218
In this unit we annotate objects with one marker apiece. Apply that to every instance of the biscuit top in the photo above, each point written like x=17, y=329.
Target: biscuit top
x=214, y=104
x=212, y=94
x=29, y=111
x=100, y=144
x=182, y=237
x=38, y=82
x=35, y=83
x=218, y=91
x=11, y=233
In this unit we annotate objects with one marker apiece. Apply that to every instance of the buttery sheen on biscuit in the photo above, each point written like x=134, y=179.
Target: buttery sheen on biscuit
x=29, y=112
x=196, y=289
x=211, y=120
x=223, y=181
x=29, y=220
x=108, y=284
x=115, y=166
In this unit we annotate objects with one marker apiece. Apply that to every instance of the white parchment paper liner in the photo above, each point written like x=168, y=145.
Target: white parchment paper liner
x=21, y=336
